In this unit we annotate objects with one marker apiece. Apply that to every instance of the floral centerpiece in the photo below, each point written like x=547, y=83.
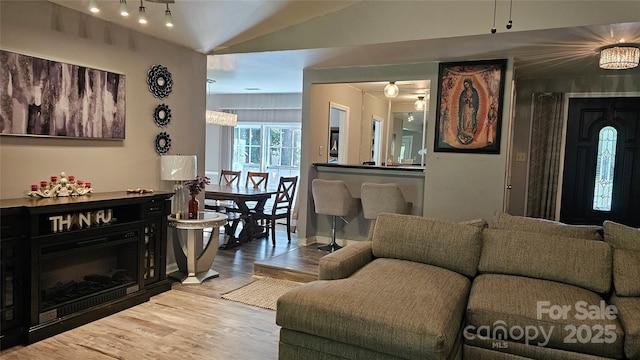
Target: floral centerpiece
x=195, y=186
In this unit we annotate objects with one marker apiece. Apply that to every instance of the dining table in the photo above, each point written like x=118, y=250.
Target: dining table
x=248, y=200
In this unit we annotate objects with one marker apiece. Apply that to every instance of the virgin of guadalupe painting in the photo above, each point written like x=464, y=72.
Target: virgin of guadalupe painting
x=40, y=97
x=469, y=108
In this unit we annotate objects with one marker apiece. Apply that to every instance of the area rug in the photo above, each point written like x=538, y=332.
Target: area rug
x=262, y=292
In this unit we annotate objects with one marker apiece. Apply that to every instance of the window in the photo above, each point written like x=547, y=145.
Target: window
x=284, y=146
x=272, y=148
x=605, y=166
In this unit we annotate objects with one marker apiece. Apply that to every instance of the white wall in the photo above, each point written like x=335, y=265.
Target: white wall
x=33, y=28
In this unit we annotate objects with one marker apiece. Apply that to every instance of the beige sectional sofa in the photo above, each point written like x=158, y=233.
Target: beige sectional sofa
x=519, y=288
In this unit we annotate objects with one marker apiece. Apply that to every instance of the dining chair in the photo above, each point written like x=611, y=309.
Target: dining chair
x=227, y=178
x=281, y=208
x=257, y=179
x=230, y=177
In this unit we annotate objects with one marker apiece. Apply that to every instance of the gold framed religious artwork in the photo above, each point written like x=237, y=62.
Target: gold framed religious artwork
x=469, y=107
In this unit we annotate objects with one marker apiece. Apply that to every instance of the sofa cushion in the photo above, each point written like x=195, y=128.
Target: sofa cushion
x=402, y=308
x=629, y=315
x=626, y=272
x=621, y=236
x=447, y=245
x=515, y=302
x=502, y=220
x=578, y=262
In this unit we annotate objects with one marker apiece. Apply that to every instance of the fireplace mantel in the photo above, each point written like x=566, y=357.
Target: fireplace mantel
x=35, y=235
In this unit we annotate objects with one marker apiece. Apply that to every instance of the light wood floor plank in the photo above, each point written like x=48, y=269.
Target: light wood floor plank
x=187, y=322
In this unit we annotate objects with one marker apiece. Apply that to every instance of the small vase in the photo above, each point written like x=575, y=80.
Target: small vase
x=194, y=207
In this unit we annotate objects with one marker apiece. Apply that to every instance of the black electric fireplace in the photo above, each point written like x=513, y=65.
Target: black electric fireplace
x=80, y=272
x=72, y=260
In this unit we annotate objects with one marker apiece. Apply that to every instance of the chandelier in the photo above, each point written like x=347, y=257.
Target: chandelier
x=218, y=117
x=221, y=118
x=619, y=57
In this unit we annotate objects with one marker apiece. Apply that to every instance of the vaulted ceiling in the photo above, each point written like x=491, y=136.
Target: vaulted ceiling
x=265, y=44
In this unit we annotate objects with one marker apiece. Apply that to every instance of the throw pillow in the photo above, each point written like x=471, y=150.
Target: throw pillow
x=626, y=272
x=621, y=236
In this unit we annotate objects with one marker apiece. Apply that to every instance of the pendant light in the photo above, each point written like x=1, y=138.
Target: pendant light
x=93, y=6
x=419, y=104
x=391, y=90
x=168, y=21
x=123, y=8
x=142, y=17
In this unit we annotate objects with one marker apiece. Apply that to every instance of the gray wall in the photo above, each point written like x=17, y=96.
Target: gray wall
x=33, y=28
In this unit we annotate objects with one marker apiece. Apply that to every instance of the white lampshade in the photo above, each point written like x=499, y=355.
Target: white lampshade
x=178, y=167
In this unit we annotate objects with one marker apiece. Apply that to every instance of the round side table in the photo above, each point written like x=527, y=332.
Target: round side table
x=194, y=269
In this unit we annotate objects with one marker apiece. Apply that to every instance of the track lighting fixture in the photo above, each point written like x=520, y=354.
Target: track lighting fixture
x=93, y=6
x=168, y=21
x=123, y=8
x=391, y=90
x=142, y=16
x=510, y=22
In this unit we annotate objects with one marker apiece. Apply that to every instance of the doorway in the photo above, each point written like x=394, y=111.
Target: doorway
x=338, y=125
x=601, y=179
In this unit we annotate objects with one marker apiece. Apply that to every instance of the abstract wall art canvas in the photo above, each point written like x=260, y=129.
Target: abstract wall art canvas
x=40, y=97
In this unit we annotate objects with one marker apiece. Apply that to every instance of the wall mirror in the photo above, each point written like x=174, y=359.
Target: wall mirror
x=363, y=126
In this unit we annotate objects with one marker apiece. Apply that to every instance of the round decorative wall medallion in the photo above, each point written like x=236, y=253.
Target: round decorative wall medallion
x=163, y=143
x=159, y=81
x=162, y=115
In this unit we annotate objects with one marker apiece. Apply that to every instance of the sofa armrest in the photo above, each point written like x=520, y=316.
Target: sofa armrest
x=341, y=264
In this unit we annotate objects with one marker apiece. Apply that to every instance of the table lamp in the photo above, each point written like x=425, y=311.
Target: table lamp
x=178, y=168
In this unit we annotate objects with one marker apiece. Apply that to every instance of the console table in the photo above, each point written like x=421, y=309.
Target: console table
x=195, y=269
x=68, y=261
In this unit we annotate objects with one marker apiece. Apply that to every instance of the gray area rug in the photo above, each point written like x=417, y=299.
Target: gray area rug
x=262, y=292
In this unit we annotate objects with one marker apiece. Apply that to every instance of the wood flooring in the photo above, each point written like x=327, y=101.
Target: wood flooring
x=189, y=322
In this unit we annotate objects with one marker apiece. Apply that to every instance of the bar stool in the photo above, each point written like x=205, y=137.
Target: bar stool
x=332, y=197
x=379, y=198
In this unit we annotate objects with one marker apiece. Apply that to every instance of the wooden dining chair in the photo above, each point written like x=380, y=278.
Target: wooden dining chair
x=227, y=178
x=257, y=179
x=282, y=207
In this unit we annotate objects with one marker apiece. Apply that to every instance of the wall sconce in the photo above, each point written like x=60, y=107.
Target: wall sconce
x=391, y=90
x=419, y=104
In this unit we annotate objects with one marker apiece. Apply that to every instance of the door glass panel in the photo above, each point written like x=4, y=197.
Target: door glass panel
x=605, y=165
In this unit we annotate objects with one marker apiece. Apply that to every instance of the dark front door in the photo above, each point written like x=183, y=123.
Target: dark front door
x=601, y=178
